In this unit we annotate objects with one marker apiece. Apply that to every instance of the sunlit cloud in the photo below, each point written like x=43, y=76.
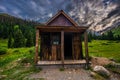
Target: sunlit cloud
x=3, y=8
x=94, y=13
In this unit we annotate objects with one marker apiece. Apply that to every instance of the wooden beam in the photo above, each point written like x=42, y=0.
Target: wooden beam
x=65, y=30
x=46, y=28
x=61, y=27
x=36, y=46
x=86, y=48
x=57, y=26
x=62, y=47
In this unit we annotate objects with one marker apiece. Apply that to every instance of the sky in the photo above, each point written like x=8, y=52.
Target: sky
x=98, y=14
x=33, y=9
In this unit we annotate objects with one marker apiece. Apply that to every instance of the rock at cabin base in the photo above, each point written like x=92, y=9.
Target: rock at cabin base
x=92, y=74
x=101, y=70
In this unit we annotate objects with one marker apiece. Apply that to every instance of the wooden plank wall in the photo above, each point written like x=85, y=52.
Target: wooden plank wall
x=77, y=47
x=36, y=46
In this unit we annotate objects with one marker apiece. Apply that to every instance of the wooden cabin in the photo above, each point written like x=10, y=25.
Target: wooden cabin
x=59, y=41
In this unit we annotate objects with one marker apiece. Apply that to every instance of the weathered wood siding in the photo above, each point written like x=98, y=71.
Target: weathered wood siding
x=45, y=47
x=77, y=47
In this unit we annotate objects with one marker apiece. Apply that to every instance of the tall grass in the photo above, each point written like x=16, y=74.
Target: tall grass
x=105, y=48
x=13, y=63
x=15, y=54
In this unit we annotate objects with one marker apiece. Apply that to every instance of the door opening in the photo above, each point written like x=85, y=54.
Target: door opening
x=68, y=46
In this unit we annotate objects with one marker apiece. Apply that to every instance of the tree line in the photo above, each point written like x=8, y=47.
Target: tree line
x=17, y=39
x=20, y=33
x=109, y=35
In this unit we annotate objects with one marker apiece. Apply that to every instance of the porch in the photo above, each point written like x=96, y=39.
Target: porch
x=66, y=62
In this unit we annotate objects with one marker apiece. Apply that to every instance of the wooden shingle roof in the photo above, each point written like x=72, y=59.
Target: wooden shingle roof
x=61, y=12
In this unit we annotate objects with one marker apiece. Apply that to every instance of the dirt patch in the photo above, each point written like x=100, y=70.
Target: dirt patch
x=67, y=74
x=100, y=61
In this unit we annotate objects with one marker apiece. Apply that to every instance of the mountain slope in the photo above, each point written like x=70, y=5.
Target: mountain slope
x=7, y=23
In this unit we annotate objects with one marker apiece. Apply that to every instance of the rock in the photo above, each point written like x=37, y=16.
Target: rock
x=1, y=70
x=69, y=72
x=92, y=74
x=18, y=60
x=69, y=78
x=102, y=71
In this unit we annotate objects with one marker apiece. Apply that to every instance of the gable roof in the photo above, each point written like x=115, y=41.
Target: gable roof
x=61, y=12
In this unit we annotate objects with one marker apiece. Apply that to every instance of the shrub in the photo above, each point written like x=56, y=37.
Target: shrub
x=62, y=69
x=16, y=50
x=104, y=44
x=26, y=60
x=31, y=51
x=3, y=51
x=109, y=66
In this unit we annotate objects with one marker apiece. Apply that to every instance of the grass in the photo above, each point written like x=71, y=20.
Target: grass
x=113, y=68
x=17, y=63
x=98, y=77
x=62, y=69
x=105, y=48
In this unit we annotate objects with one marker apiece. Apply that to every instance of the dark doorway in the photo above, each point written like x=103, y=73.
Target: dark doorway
x=68, y=46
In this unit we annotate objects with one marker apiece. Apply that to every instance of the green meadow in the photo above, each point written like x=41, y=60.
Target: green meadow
x=105, y=48
x=17, y=63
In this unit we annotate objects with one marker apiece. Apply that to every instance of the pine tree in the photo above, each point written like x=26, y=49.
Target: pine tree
x=29, y=41
x=19, y=40
x=90, y=37
x=10, y=44
x=110, y=35
x=103, y=37
x=118, y=37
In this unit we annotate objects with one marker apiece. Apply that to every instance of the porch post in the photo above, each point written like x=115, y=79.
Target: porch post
x=36, y=46
x=62, y=47
x=86, y=48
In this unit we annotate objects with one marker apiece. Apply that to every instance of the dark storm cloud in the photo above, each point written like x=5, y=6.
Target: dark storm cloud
x=33, y=9
x=98, y=14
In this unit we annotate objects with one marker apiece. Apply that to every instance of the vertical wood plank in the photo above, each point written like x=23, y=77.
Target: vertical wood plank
x=62, y=47
x=54, y=52
x=36, y=46
x=86, y=48
x=73, y=47
x=81, y=51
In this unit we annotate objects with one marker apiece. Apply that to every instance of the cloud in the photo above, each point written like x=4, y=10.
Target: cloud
x=33, y=8
x=88, y=12
x=50, y=15
x=96, y=14
x=2, y=8
x=34, y=5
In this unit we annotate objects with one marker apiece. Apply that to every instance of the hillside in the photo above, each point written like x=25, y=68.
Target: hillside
x=7, y=23
x=16, y=63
